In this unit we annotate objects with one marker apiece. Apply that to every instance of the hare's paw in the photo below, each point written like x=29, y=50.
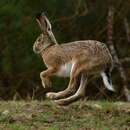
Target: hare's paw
x=43, y=84
x=46, y=83
x=51, y=95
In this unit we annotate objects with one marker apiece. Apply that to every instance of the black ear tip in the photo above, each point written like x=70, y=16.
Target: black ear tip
x=43, y=13
x=40, y=14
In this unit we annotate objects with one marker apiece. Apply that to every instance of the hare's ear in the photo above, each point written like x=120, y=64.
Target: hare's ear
x=43, y=22
x=48, y=24
x=45, y=26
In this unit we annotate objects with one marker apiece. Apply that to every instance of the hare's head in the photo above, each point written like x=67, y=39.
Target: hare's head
x=46, y=38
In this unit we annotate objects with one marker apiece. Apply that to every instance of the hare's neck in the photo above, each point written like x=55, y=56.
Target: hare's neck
x=47, y=43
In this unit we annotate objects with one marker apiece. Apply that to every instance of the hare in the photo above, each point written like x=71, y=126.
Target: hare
x=78, y=60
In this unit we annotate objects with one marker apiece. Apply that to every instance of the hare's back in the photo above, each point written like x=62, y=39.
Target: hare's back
x=89, y=51
x=89, y=47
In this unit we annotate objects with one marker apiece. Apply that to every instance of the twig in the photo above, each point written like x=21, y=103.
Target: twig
x=126, y=59
x=77, y=12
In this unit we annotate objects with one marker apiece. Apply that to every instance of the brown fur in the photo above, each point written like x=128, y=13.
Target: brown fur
x=88, y=57
x=93, y=53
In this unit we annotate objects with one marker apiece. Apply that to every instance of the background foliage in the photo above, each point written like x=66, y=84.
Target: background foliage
x=20, y=67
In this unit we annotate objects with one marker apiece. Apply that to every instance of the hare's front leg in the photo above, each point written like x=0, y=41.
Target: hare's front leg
x=72, y=87
x=45, y=77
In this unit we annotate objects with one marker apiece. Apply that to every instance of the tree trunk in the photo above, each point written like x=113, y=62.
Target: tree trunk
x=127, y=29
x=117, y=62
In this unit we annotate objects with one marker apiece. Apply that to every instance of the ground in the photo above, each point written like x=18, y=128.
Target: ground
x=81, y=115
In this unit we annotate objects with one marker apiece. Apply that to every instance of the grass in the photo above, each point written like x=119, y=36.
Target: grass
x=82, y=115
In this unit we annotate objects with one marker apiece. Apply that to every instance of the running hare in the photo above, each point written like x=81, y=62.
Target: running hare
x=78, y=60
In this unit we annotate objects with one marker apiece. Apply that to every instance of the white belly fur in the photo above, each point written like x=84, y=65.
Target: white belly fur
x=65, y=70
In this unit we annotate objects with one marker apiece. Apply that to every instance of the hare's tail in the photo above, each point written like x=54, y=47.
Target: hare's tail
x=106, y=76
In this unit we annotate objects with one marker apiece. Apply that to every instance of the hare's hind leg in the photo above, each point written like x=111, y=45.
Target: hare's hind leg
x=80, y=93
x=72, y=87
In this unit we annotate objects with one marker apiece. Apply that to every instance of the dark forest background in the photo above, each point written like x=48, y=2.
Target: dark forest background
x=71, y=20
